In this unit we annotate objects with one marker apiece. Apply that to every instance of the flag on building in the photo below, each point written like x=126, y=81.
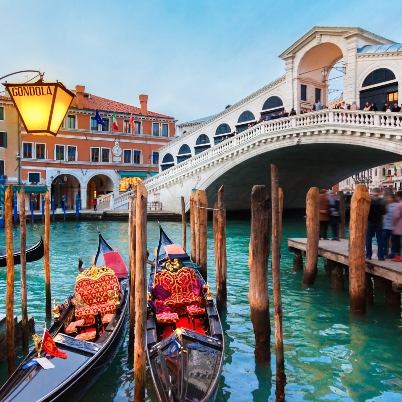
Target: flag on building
x=114, y=122
x=395, y=170
x=99, y=119
x=49, y=346
x=131, y=123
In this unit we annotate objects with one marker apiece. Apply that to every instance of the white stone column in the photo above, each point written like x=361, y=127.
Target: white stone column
x=83, y=197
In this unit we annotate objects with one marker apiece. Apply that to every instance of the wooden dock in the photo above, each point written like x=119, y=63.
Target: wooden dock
x=338, y=251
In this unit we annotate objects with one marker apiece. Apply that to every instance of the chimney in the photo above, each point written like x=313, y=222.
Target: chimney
x=144, y=104
x=79, y=92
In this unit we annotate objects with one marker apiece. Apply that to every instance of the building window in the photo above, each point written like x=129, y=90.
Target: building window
x=389, y=172
x=127, y=156
x=383, y=171
x=165, y=130
x=246, y=116
x=105, y=155
x=1, y=113
x=59, y=153
x=126, y=127
x=3, y=139
x=33, y=177
x=137, y=126
x=1, y=168
x=378, y=76
x=155, y=129
x=94, y=154
x=71, y=121
x=155, y=158
x=94, y=124
x=184, y=153
x=392, y=97
x=317, y=94
x=71, y=153
x=272, y=103
x=202, y=144
x=137, y=157
x=106, y=126
x=375, y=172
x=167, y=162
x=27, y=149
x=303, y=92
x=40, y=151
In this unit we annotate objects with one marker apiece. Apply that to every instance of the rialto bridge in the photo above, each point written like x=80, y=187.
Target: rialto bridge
x=312, y=149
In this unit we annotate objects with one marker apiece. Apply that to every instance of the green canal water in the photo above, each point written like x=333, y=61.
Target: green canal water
x=330, y=354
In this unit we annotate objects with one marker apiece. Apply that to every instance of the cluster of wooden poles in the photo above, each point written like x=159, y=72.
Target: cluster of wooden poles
x=10, y=323
x=359, y=210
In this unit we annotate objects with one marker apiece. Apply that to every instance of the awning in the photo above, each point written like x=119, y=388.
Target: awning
x=133, y=173
x=153, y=173
x=31, y=189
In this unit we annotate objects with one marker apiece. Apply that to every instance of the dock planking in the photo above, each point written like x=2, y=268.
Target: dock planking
x=338, y=251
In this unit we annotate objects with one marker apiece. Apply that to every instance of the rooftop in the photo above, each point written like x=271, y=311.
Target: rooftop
x=93, y=102
x=201, y=120
x=388, y=48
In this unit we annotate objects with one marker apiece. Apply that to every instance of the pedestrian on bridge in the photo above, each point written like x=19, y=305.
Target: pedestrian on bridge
x=374, y=228
x=397, y=224
x=324, y=214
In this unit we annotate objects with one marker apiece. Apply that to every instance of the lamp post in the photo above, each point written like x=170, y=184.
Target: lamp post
x=41, y=106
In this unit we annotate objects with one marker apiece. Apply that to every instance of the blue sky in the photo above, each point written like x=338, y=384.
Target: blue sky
x=191, y=57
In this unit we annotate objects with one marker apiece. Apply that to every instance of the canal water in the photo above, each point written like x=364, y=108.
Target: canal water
x=330, y=354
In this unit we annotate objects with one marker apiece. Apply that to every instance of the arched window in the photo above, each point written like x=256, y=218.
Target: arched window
x=167, y=162
x=184, y=153
x=383, y=171
x=272, y=103
x=222, y=129
x=221, y=133
x=378, y=76
x=246, y=116
x=202, y=144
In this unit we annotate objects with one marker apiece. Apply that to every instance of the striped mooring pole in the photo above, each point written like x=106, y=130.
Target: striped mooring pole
x=2, y=181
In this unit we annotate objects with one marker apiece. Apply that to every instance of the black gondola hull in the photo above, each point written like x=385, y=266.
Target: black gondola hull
x=33, y=253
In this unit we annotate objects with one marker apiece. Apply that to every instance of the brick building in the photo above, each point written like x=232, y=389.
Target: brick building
x=91, y=159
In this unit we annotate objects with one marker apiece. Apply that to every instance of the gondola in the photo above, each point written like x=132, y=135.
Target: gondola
x=90, y=334
x=185, y=343
x=34, y=253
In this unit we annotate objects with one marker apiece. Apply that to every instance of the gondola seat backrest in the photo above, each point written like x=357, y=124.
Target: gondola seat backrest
x=96, y=289
x=180, y=284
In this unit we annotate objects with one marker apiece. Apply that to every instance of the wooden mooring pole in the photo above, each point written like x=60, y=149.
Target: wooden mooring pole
x=47, y=257
x=313, y=230
x=276, y=258
x=140, y=293
x=220, y=249
x=193, y=211
x=183, y=224
x=258, y=264
x=23, y=270
x=201, y=222
x=10, y=328
x=359, y=210
x=131, y=245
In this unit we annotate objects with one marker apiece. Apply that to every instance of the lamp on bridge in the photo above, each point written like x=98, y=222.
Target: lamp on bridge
x=324, y=72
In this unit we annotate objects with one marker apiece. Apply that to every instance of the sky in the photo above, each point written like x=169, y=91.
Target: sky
x=191, y=57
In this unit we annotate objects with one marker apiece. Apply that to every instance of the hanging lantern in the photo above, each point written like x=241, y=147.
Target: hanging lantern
x=41, y=106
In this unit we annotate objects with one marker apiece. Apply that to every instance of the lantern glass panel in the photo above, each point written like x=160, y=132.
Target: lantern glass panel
x=61, y=104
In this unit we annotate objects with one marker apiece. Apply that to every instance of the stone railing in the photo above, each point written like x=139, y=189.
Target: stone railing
x=106, y=201
x=334, y=117
x=122, y=199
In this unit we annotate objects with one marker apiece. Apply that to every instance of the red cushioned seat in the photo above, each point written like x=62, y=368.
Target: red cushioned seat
x=181, y=299
x=88, y=313
x=72, y=327
x=107, y=318
x=195, y=310
x=167, y=318
x=89, y=335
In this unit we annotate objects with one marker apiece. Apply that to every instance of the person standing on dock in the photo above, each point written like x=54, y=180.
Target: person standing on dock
x=397, y=227
x=391, y=202
x=374, y=228
x=324, y=214
x=334, y=215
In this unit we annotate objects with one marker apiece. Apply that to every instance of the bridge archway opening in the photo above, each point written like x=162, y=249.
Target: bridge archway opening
x=167, y=162
x=221, y=133
x=318, y=70
x=379, y=87
x=244, y=120
x=202, y=144
x=98, y=186
x=272, y=105
x=184, y=153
